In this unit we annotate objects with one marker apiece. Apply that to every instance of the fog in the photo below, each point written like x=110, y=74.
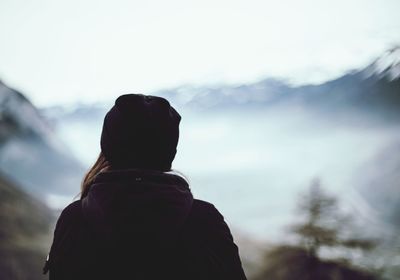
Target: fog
x=253, y=163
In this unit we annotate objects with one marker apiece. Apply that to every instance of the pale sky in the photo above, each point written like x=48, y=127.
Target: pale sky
x=65, y=51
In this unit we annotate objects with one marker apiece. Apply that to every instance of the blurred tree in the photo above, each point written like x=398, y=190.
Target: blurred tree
x=325, y=225
x=322, y=226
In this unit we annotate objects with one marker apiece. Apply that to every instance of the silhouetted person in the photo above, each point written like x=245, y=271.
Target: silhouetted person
x=136, y=219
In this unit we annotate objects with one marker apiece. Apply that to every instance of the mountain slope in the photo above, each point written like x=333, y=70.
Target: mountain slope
x=375, y=89
x=31, y=153
x=387, y=66
x=24, y=226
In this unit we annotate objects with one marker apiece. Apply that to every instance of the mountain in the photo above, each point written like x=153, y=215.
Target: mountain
x=24, y=232
x=387, y=66
x=31, y=154
x=374, y=89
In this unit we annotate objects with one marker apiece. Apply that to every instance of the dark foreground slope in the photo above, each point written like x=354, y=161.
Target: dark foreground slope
x=24, y=228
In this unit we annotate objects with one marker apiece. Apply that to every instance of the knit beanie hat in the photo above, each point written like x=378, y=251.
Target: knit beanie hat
x=140, y=131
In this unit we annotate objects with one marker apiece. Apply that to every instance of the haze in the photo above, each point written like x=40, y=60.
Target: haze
x=85, y=51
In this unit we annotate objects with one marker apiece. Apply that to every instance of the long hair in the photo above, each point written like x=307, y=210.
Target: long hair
x=100, y=165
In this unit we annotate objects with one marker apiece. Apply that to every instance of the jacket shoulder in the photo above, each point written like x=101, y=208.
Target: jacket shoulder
x=68, y=219
x=71, y=210
x=212, y=243
x=205, y=209
x=203, y=204
x=72, y=252
x=69, y=216
x=207, y=220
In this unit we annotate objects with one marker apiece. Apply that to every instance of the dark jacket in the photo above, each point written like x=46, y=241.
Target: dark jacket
x=137, y=224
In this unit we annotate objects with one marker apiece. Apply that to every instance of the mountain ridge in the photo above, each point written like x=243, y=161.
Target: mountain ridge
x=31, y=154
x=356, y=89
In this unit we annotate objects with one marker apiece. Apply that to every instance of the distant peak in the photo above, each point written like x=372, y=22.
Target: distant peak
x=388, y=65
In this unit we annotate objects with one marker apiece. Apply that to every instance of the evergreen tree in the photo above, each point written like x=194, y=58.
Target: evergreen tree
x=322, y=226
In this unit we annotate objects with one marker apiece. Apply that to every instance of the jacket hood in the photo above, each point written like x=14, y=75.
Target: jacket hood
x=137, y=205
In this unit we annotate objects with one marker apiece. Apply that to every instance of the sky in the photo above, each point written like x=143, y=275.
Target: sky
x=67, y=51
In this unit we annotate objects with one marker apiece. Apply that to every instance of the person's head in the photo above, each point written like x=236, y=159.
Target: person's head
x=139, y=131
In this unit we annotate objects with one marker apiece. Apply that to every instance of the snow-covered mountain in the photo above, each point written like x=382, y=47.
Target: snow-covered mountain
x=375, y=89
x=386, y=66
x=31, y=153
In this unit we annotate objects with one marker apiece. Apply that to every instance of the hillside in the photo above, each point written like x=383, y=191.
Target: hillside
x=24, y=233
x=31, y=153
